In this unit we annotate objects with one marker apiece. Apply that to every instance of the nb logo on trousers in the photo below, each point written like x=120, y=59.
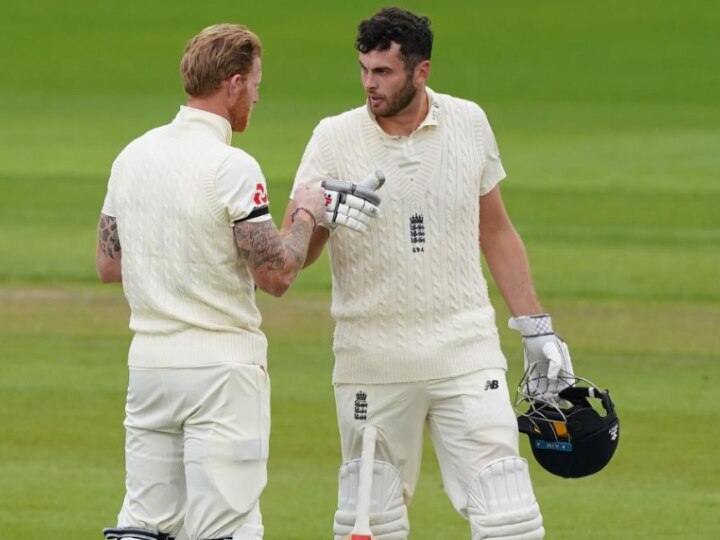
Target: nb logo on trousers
x=491, y=385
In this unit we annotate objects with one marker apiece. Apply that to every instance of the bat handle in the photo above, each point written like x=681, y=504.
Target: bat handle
x=367, y=462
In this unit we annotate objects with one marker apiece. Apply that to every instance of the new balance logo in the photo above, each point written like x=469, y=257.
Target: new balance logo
x=361, y=406
x=614, y=432
x=491, y=385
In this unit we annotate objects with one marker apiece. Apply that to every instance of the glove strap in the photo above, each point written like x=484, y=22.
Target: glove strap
x=532, y=325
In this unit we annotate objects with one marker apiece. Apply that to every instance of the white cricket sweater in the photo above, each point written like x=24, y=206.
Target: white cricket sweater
x=409, y=298
x=192, y=298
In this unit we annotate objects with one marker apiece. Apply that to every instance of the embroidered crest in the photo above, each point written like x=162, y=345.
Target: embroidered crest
x=417, y=232
x=361, y=406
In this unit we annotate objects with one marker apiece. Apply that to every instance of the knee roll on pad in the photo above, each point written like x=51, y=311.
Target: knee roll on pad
x=388, y=513
x=501, y=502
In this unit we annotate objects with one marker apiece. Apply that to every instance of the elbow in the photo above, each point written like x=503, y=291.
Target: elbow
x=275, y=286
x=109, y=274
x=276, y=290
x=109, y=278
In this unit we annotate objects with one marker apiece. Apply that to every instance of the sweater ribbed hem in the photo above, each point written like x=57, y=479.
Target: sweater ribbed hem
x=378, y=367
x=197, y=347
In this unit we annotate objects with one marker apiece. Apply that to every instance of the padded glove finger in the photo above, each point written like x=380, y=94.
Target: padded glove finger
x=362, y=205
x=547, y=358
x=332, y=200
x=350, y=222
x=340, y=186
x=367, y=194
x=349, y=204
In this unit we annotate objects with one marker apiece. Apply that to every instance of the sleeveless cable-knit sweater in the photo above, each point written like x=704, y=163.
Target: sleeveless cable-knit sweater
x=409, y=298
x=192, y=298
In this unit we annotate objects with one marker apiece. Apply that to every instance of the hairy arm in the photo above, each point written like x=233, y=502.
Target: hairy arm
x=506, y=256
x=317, y=241
x=108, y=254
x=274, y=260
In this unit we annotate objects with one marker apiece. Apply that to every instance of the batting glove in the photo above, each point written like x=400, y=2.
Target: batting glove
x=548, y=367
x=350, y=205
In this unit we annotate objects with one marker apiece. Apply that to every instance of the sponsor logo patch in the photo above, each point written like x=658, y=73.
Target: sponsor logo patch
x=260, y=197
x=558, y=446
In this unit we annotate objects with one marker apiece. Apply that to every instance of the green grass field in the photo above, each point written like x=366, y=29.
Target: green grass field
x=608, y=118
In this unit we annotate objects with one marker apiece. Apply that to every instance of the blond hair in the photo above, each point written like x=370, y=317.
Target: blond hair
x=216, y=54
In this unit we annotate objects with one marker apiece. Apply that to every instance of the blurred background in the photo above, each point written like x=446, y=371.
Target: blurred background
x=608, y=120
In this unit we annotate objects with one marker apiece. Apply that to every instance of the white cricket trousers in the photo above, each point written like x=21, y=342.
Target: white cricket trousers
x=196, y=450
x=470, y=419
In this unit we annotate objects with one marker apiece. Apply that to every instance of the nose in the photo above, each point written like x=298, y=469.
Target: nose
x=369, y=82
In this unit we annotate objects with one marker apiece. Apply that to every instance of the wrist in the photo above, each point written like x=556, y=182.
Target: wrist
x=302, y=211
x=532, y=325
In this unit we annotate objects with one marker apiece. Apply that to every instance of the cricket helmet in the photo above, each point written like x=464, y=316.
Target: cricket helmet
x=568, y=436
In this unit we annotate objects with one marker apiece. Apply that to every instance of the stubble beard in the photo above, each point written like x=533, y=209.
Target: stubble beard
x=398, y=101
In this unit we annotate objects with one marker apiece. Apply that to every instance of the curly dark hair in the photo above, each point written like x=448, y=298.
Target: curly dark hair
x=394, y=24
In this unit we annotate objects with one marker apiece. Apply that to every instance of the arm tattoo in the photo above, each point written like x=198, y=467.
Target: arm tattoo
x=109, y=240
x=264, y=249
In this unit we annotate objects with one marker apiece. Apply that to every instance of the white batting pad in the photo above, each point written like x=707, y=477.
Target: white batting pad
x=388, y=513
x=501, y=503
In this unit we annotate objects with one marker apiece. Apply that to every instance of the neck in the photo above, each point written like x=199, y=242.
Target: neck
x=407, y=120
x=211, y=104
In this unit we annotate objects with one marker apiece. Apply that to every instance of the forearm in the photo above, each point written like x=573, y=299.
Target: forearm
x=318, y=239
x=274, y=260
x=507, y=260
x=108, y=253
x=297, y=240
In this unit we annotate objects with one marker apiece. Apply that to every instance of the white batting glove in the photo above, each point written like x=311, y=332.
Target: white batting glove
x=350, y=205
x=548, y=366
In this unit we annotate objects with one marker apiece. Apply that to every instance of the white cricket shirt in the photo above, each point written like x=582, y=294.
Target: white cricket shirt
x=409, y=298
x=175, y=193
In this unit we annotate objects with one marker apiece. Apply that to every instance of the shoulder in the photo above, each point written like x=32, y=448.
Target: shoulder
x=140, y=144
x=461, y=106
x=343, y=120
x=240, y=161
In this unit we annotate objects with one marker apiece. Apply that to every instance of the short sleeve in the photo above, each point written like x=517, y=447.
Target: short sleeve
x=493, y=171
x=108, y=207
x=315, y=165
x=241, y=188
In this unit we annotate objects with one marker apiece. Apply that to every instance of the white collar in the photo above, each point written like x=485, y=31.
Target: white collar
x=431, y=119
x=215, y=124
